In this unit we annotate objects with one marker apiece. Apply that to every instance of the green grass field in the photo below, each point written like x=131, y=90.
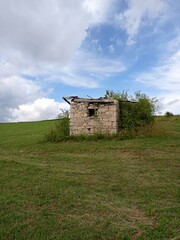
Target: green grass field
x=105, y=189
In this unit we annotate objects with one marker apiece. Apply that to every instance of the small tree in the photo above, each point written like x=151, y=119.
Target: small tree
x=63, y=114
x=61, y=129
x=135, y=111
x=168, y=114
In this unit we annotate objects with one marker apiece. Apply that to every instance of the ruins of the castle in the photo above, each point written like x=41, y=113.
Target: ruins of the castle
x=93, y=115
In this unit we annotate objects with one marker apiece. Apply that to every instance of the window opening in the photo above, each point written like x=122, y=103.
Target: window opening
x=92, y=112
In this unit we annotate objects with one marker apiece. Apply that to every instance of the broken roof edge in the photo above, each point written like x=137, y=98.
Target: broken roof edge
x=71, y=99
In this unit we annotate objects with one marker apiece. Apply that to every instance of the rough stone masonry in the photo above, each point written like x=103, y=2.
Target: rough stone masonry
x=90, y=116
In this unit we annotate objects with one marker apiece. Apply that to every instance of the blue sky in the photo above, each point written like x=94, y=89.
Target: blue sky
x=55, y=48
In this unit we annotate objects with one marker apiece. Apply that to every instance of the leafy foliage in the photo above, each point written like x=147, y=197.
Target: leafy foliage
x=60, y=131
x=168, y=114
x=135, y=111
x=64, y=114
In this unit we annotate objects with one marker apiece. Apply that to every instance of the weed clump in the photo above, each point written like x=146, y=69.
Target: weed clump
x=135, y=111
x=168, y=114
x=60, y=131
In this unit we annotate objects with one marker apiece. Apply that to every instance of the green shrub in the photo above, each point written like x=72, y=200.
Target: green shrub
x=135, y=111
x=60, y=131
x=168, y=114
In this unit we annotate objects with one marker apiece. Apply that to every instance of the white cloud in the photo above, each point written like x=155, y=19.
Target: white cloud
x=40, y=109
x=7, y=70
x=14, y=91
x=111, y=48
x=100, y=67
x=174, y=44
x=139, y=13
x=165, y=76
x=24, y=100
x=40, y=38
x=72, y=78
x=169, y=102
x=87, y=70
x=46, y=32
x=97, y=9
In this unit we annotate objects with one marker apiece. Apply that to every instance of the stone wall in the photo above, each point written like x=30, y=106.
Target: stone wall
x=90, y=118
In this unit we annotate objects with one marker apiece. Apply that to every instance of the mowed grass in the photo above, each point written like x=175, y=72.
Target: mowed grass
x=105, y=189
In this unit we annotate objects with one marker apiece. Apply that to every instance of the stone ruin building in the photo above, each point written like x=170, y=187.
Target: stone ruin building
x=93, y=115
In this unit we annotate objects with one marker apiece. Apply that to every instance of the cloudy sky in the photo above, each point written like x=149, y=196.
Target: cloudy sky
x=55, y=48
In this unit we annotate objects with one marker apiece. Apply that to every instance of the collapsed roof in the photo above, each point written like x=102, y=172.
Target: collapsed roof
x=71, y=99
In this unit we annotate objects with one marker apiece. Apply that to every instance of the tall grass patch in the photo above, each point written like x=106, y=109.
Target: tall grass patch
x=60, y=131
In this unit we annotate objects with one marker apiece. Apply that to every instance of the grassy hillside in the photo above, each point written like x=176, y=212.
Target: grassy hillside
x=106, y=189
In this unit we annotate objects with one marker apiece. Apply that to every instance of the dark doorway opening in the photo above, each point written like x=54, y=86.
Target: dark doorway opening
x=92, y=112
